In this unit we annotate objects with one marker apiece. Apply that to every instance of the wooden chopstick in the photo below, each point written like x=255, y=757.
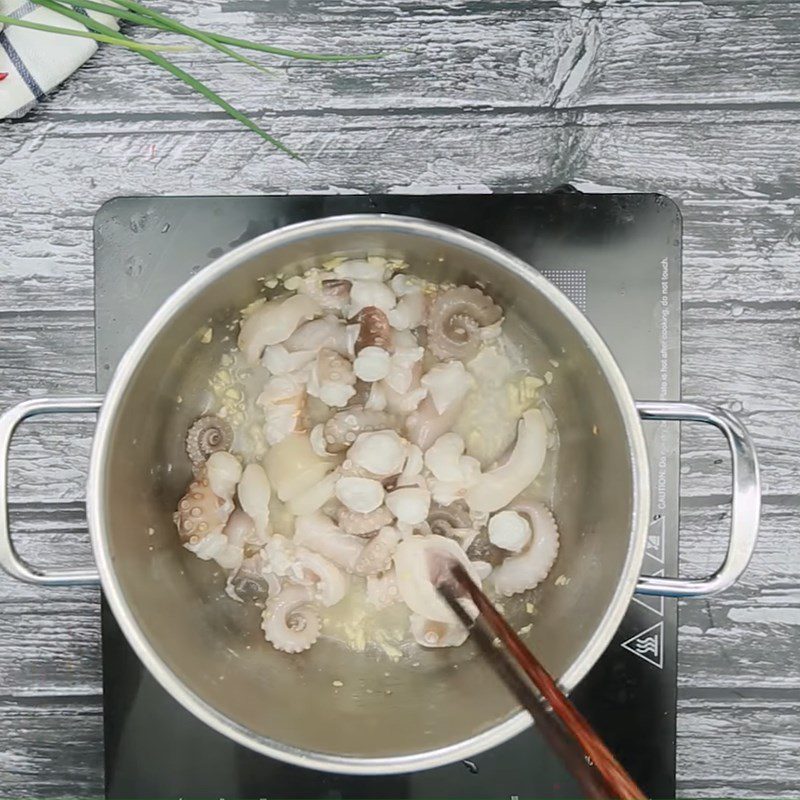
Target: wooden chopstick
x=566, y=729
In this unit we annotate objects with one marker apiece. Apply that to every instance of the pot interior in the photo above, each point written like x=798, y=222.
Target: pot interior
x=175, y=606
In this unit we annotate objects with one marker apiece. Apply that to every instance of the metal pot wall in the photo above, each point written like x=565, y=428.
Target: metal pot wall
x=389, y=717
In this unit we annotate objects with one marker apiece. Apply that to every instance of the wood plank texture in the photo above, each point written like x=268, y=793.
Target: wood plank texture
x=699, y=100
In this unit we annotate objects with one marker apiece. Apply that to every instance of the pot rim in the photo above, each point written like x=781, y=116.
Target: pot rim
x=495, y=735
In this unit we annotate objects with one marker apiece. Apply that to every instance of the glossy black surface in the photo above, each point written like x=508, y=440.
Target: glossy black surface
x=618, y=257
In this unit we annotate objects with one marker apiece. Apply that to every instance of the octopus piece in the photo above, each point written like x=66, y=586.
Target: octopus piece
x=216, y=547
x=373, y=329
x=376, y=399
x=406, y=401
x=208, y=434
x=410, y=311
x=290, y=622
x=284, y=402
x=313, y=498
x=381, y=453
x=454, y=473
x=371, y=269
x=316, y=437
x=432, y=633
x=421, y=563
x=382, y=589
x=279, y=361
x=223, y=471
x=364, y=294
x=425, y=425
x=455, y=320
x=372, y=364
x=413, y=466
x=319, y=533
x=254, y=494
x=342, y=429
x=334, y=293
x=509, y=530
x=327, y=332
x=201, y=512
x=377, y=555
x=240, y=530
x=363, y=524
x=274, y=322
x=443, y=520
x=332, y=379
x=447, y=385
x=521, y=572
x=293, y=467
x=498, y=487
x=410, y=504
x=329, y=582
x=360, y=494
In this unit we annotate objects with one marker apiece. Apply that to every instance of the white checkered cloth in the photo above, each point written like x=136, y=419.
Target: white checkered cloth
x=37, y=62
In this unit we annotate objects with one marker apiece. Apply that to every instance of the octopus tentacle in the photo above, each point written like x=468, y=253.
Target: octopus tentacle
x=363, y=524
x=329, y=582
x=425, y=425
x=332, y=379
x=377, y=555
x=327, y=331
x=382, y=589
x=336, y=287
x=528, y=569
x=501, y=485
x=201, y=512
x=207, y=435
x=289, y=621
x=342, y=429
x=421, y=562
x=274, y=322
x=375, y=330
x=320, y=533
x=455, y=320
x=444, y=519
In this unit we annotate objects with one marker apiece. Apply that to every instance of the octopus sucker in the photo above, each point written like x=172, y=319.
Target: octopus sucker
x=432, y=633
x=208, y=434
x=455, y=319
x=522, y=572
x=290, y=622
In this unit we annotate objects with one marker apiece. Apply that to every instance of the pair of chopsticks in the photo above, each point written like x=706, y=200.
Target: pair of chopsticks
x=562, y=725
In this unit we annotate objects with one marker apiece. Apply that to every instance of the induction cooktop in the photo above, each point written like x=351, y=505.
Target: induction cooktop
x=618, y=257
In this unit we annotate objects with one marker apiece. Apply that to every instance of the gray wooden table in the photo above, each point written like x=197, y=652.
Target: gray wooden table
x=700, y=100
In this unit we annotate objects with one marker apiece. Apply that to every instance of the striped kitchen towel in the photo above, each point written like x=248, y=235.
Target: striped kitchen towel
x=35, y=62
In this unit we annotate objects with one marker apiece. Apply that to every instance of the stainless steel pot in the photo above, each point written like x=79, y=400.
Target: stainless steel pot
x=208, y=652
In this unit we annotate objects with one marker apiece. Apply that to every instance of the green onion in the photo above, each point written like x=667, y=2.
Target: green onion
x=152, y=22
x=188, y=79
x=111, y=38
x=178, y=27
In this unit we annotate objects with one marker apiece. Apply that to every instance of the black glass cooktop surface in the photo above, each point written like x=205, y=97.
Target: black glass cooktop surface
x=618, y=257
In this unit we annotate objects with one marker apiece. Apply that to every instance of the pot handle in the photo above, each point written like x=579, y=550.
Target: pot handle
x=9, y=559
x=745, y=498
